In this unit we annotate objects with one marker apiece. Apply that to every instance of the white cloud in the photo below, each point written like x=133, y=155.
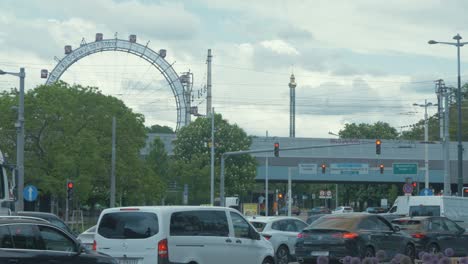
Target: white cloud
x=280, y=46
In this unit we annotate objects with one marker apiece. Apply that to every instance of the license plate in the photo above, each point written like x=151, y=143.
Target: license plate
x=128, y=261
x=319, y=253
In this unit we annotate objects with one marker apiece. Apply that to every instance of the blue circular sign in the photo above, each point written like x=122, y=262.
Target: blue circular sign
x=30, y=193
x=426, y=192
x=407, y=188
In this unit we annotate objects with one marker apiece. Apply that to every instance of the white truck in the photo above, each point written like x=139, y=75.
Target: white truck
x=452, y=207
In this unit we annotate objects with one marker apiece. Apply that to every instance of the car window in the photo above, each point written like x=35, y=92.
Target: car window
x=382, y=225
x=5, y=237
x=24, y=236
x=406, y=224
x=290, y=226
x=451, y=226
x=259, y=225
x=128, y=225
x=56, y=240
x=241, y=227
x=436, y=225
x=334, y=222
x=300, y=225
x=199, y=223
x=423, y=210
x=369, y=223
x=393, y=209
x=279, y=225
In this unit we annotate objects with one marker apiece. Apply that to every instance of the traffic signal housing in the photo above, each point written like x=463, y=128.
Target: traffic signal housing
x=324, y=168
x=276, y=146
x=414, y=184
x=70, y=186
x=381, y=166
x=378, y=146
x=280, y=196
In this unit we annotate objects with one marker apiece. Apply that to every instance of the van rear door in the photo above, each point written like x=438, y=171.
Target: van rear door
x=129, y=235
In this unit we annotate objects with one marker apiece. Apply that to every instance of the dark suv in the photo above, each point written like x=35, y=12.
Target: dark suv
x=31, y=241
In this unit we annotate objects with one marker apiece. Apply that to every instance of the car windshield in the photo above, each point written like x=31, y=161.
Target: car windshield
x=335, y=222
x=128, y=225
x=424, y=210
x=259, y=225
x=409, y=224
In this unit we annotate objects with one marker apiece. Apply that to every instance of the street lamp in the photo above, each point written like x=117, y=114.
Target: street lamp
x=426, y=140
x=457, y=44
x=20, y=137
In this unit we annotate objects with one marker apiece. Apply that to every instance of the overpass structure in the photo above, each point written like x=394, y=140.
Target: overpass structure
x=402, y=160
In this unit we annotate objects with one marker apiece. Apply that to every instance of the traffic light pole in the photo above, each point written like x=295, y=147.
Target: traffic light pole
x=66, y=204
x=242, y=152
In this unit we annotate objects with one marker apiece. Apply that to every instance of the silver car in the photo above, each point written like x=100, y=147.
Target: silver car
x=87, y=237
x=282, y=232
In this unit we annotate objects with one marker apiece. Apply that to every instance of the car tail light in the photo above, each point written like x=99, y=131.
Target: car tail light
x=129, y=209
x=418, y=235
x=350, y=235
x=266, y=236
x=302, y=235
x=163, y=251
x=94, y=245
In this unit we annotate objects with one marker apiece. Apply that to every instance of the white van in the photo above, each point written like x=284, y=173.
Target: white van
x=180, y=234
x=452, y=207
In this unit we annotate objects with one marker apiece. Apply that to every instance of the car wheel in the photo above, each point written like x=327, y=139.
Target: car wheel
x=369, y=253
x=282, y=255
x=410, y=252
x=433, y=248
x=268, y=261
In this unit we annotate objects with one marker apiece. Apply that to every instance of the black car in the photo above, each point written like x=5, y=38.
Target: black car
x=32, y=241
x=52, y=218
x=319, y=210
x=354, y=234
x=435, y=234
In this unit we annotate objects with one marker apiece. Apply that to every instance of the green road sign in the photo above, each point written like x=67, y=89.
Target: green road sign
x=405, y=168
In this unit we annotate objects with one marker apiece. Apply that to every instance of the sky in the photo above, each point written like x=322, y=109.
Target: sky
x=360, y=61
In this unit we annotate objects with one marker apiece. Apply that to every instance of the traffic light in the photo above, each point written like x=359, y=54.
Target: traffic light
x=324, y=167
x=381, y=166
x=414, y=184
x=465, y=192
x=70, y=190
x=280, y=196
x=276, y=149
x=378, y=146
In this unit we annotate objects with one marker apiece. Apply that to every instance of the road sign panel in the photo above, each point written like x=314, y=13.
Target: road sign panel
x=407, y=188
x=325, y=194
x=30, y=193
x=426, y=192
x=405, y=168
x=349, y=168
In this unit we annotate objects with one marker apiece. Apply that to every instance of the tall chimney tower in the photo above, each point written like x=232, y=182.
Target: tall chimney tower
x=292, y=106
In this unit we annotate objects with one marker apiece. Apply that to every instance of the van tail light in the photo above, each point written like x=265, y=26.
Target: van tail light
x=350, y=235
x=163, y=251
x=266, y=236
x=418, y=235
x=94, y=245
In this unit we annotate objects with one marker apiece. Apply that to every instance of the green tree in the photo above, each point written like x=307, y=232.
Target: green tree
x=192, y=158
x=369, y=131
x=68, y=136
x=159, y=129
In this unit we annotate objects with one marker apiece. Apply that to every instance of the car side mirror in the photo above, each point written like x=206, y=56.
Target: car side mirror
x=396, y=228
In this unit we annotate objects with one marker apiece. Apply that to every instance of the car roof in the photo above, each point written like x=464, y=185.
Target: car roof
x=37, y=214
x=420, y=218
x=267, y=219
x=171, y=208
x=19, y=220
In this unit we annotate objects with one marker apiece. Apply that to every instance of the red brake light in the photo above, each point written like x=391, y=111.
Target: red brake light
x=163, y=251
x=129, y=209
x=418, y=235
x=94, y=245
x=350, y=235
x=267, y=236
x=302, y=235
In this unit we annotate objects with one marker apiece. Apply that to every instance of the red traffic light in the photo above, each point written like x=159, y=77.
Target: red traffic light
x=276, y=145
x=381, y=166
x=378, y=142
x=280, y=195
x=70, y=185
x=323, y=168
x=415, y=184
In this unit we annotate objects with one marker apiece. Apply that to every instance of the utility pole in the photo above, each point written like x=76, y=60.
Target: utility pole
x=289, y=191
x=20, y=142
x=266, y=180
x=212, y=157
x=208, y=84
x=67, y=204
x=112, y=189
x=444, y=112
x=292, y=106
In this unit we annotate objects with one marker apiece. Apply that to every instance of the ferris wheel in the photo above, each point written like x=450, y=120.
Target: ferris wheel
x=181, y=86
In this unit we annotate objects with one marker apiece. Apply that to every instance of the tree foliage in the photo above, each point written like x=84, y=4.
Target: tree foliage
x=68, y=136
x=380, y=130
x=159, y=129
x=192, y=158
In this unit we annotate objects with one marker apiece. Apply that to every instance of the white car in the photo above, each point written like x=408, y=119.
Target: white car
x=180, y=234
x=343, y=209
x=87, y=237
x=281, y=232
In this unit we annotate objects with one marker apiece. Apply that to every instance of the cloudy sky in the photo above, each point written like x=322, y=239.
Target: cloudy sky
x=354, y=61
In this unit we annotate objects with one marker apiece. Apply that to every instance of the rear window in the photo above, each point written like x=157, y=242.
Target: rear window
x=334, y=222
x=423, y=210
x=128, y=225
x=409, y=224
x=259, y=226
x=199, y=223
